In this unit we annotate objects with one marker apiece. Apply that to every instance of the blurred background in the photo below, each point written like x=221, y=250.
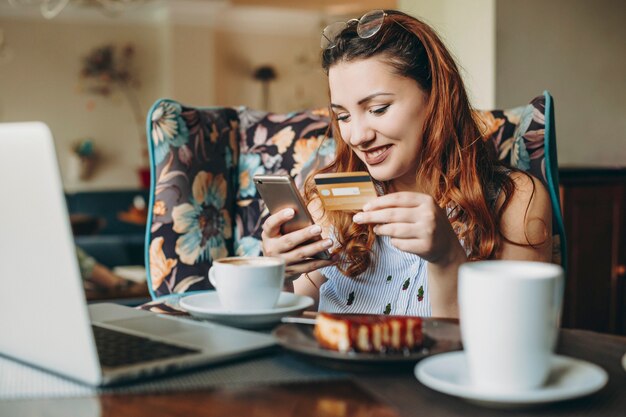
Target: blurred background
x=92, y=71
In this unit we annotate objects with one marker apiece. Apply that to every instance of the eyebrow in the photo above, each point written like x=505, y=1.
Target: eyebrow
x=363, y=100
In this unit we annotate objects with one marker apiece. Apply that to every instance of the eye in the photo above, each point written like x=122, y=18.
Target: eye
x=378, y=110
x=342, y=117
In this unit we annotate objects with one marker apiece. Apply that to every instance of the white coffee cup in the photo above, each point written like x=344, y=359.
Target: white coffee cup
x=509, y=317
x=248, y=283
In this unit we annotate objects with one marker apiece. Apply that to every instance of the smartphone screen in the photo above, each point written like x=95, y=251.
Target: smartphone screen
x=279, y=192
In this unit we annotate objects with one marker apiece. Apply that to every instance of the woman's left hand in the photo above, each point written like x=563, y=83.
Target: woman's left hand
x=415, y=224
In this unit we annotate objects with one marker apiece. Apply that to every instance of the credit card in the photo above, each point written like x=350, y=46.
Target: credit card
x=348, y=191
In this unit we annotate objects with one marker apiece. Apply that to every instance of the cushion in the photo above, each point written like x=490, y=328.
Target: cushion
x=194, y=163
x=290, y=144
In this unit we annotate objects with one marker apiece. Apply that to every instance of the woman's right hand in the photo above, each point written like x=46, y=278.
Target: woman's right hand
x=291, y=246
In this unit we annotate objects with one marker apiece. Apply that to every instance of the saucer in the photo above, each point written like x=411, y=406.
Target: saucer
x=569, y=378
x=207, y=306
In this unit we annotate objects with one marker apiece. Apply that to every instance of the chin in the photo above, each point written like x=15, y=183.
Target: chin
x=381, y=174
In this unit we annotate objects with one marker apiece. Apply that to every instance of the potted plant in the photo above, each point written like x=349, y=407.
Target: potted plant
x=83, y=160
x=107, y=69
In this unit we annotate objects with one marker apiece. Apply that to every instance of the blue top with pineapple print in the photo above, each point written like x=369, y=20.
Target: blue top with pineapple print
x=396, y=283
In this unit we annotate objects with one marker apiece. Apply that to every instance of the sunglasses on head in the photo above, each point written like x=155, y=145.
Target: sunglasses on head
x=367, y=26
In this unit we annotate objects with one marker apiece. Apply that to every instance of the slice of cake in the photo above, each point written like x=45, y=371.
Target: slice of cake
x=368, y=333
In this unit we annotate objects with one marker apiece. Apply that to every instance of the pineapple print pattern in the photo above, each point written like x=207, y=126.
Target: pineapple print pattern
x=350, y=299
x=394, y=285
x=387, y=309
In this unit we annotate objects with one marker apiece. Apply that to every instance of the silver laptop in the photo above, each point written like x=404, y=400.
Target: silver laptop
x=44, y=317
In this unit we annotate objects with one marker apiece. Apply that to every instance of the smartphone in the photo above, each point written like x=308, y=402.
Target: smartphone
x=279, y=192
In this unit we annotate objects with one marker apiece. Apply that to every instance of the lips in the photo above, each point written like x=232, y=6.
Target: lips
x=377, y=155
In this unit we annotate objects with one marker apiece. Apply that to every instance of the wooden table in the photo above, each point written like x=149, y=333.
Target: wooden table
x=134, y=295
x=360, y=394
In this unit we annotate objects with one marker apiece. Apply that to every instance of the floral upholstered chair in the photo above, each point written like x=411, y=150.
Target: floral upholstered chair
x=203, y=203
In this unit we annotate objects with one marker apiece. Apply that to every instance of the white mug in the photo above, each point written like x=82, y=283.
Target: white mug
x=509, y=317
x=248, y=283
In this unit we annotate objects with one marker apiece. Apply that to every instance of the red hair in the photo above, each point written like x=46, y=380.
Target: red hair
x=455, y=164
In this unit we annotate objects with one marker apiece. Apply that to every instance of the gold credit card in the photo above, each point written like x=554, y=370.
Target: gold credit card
x=347, y=191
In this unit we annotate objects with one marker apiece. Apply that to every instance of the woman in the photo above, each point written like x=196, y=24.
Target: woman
x=400, y=111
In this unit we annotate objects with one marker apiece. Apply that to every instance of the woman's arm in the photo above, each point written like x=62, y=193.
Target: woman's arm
x=416, y=224
x=526, y=223
x=309, y=285
x=442, y=283
x=294, y=247
x=310, y=282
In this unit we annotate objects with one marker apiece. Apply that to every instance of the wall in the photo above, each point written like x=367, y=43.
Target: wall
x=197, y=53
x=576, y=49
x=287, y=40
x=468, y=30
x=300, y=81
x=30, y=90
x=189, y=64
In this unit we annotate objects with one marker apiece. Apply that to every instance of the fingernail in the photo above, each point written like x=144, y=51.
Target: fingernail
x=289, y=212
x=375, y=229
x=328, y=243
x=314, y=230
x=357, y=218
x=366, y=207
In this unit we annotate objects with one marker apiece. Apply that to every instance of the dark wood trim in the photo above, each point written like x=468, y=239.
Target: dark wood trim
x=591, y=175
x=594, y=212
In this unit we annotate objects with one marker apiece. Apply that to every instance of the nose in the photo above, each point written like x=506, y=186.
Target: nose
x=360, y=132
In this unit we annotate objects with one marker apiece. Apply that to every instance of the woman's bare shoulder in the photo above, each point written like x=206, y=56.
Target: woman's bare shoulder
x=526, y=188
x=527, y=218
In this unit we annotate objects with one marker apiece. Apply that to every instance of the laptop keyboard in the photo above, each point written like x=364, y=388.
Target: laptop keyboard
x=120, y=349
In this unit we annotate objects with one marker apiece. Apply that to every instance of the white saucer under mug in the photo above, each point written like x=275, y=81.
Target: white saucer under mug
x=569, y=378
x=206, y=305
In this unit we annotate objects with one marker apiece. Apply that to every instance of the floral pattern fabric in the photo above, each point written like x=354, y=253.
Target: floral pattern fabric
x=194, y=165
x=203, y=201
x=204, y=204
x=290, y=144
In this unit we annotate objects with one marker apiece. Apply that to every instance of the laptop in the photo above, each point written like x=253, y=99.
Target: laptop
x=44, y=317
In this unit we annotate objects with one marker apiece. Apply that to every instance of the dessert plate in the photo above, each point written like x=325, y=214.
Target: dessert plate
x=569, y=378
x=207, y=306
x=440, y=336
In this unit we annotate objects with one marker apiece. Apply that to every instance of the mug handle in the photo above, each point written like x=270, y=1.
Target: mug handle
x=212, y=279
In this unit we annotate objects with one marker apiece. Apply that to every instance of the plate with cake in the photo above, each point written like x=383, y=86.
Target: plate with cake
x=365, y=340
